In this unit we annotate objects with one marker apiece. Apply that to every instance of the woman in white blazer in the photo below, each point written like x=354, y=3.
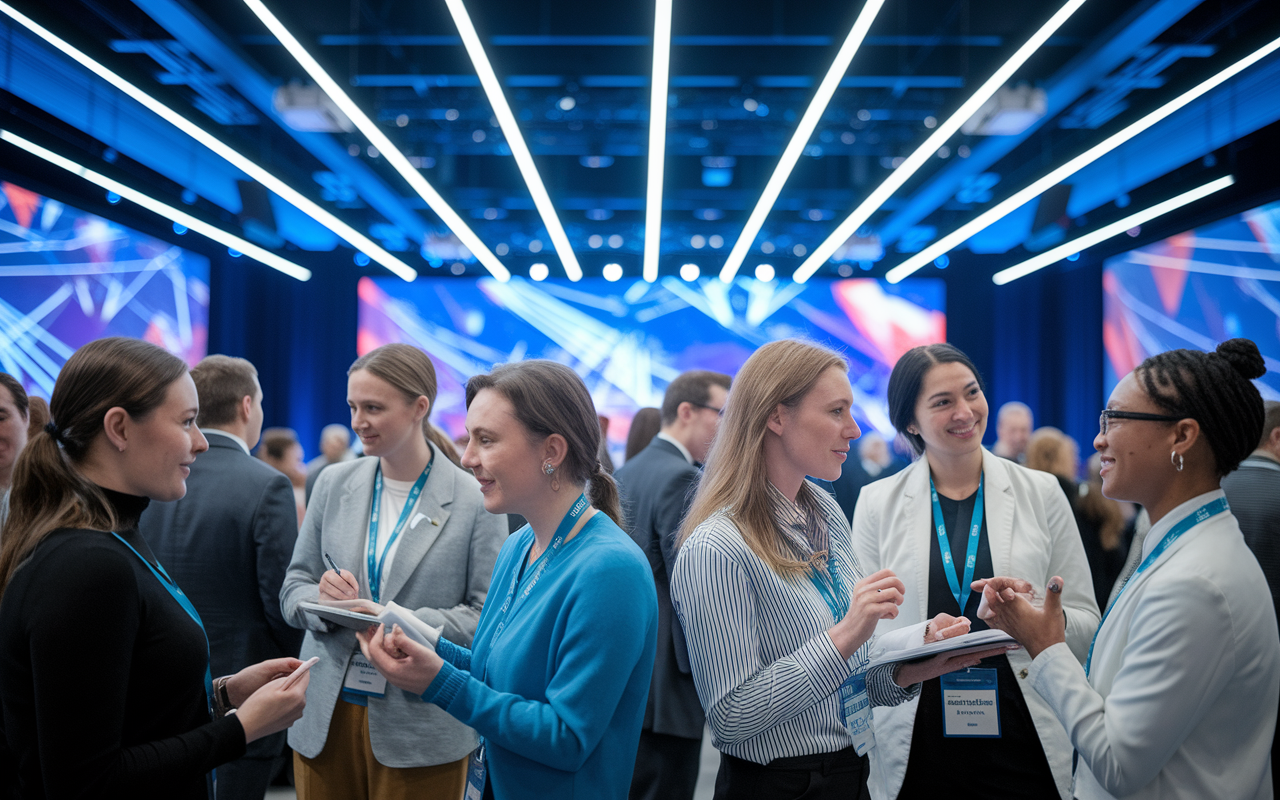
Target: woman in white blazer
x=998, y=516
x=1178, y=698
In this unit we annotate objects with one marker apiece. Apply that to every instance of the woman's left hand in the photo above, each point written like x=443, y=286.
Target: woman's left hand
x=1036, y=629
x=944, y=626
x=255, y=676
x=402, y=661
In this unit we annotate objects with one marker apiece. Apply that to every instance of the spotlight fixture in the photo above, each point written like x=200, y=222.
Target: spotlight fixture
x=765, y=272
x=539, y=271
x=180, y=219
x=514, y=138
x=612, y=272
x=904, y=169
x=378, y=140
x=657, y=139
x=1001, y=209
x=689, y=272
x=1067, y=249
x=250, y=168
x=800, y=138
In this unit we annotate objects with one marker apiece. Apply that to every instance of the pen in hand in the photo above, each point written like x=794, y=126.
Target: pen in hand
x=328, y=559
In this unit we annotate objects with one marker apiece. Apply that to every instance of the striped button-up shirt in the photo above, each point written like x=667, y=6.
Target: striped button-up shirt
x=766, y=670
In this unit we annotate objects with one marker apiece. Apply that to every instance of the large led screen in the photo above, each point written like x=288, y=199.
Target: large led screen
x=628, y=340
x=68, y=277
x=1195, y=290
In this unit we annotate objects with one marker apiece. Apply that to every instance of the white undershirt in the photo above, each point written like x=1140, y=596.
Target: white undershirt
x=394, y=496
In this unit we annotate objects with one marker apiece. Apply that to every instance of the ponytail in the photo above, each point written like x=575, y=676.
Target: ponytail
x=603, y=494
x=438, y=438
x=49, y=492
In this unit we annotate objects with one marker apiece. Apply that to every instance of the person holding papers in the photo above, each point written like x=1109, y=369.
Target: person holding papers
x=1177, y=697
x=776, y=612
x=104, y=664
x=405, y=525
x=557, y=677
x=957, y=514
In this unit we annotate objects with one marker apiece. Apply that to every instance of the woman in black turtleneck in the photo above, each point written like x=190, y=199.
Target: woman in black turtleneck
x=103, y=669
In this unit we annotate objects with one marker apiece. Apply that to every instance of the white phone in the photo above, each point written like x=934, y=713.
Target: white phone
x=299, y=672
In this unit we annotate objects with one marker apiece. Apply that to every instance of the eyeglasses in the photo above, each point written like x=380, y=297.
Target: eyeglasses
x=719, y=411
x=1138, y=415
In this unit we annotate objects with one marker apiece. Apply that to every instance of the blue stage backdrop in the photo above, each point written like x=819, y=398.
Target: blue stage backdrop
x=1194, y=290
x=68, y=277
x=628, y=340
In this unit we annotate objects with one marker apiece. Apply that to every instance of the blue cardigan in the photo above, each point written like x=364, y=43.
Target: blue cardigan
x=561, y=704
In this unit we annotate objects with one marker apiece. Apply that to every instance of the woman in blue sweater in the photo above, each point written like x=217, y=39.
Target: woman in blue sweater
x=559, y=671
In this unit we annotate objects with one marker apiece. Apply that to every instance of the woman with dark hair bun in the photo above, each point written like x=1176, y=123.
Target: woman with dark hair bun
x=959, y=513
x=104, y=663
x=556, y=679
x=1177, y=698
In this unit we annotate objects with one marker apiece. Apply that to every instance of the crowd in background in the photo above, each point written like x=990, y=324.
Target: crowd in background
x=737, y=571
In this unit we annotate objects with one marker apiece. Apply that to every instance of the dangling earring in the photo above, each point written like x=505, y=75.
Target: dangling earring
x=1175, y=458
x=548, y=469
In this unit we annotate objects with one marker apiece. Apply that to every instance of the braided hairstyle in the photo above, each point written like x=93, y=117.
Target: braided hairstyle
x=1215, y=390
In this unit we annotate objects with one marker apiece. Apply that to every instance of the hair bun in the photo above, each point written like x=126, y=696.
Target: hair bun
x=1244, y=358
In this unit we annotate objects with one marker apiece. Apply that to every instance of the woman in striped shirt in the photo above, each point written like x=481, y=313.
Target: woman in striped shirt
x=778, y=617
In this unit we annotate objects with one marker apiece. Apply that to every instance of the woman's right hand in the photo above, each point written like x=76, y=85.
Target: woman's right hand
x=875, y=597
x=272, y=708
x=338, y=586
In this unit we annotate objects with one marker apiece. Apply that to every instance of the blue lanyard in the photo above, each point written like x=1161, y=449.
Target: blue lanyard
x=834, y=594
x=375, y=564
x=1188, y=522
x=535, y=572
x=185, y=602
x=944, y=544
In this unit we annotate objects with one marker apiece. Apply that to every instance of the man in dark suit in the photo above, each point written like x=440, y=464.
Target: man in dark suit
x=1253, y=492
x=228, y=542
x=874, y=461
x=656, y=487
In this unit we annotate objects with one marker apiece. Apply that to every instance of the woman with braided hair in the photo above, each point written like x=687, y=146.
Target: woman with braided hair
x=1177, y=698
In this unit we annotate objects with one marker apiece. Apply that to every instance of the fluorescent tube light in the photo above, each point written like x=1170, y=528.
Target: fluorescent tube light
x=657, y=138
x=1107, y=231
x=379, y=140
x=962, y=234
x=167, y=211
x=925, y=151
x=515, y=140
x=287, y=193
x=799, y=139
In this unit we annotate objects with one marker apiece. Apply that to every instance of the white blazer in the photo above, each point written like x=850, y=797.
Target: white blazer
x=1032, y=534
x=1180, y=702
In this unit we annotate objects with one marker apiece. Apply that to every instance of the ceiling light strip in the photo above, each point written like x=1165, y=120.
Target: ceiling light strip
x=170, y=213
x=1106, y=232
x=962, y=234
x=812, y=116
x=515, y=140
x=657, y=138
x=378, y=139
x=937, y=139
x=287, y=193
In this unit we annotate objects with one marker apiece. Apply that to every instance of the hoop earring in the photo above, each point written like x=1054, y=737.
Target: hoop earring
x=1178, y=464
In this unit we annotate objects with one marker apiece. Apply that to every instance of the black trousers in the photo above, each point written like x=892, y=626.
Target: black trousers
x=666, y=767
x=826, y=776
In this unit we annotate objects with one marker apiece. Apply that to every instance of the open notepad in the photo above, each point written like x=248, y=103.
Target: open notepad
x=341, y=613
x=956, y=645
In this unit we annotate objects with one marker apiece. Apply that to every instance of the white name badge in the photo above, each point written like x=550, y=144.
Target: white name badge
x=855, y=711
x=363, y=678
x=970, y=706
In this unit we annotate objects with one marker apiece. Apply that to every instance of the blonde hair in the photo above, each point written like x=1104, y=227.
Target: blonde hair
x=1049, y=450
x=411, y=372
x=735, y=479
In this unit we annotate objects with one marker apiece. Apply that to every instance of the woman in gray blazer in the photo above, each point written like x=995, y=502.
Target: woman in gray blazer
x=405, y=525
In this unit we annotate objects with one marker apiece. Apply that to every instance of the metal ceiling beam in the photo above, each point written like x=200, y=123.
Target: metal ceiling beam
x=428, y=40
x=419, y=81
x=190, y=27
x=1136, y=29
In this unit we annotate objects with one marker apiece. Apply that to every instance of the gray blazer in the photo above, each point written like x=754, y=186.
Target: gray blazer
x=441, y=570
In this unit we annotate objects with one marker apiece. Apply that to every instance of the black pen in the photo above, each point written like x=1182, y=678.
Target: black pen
x=329, y=560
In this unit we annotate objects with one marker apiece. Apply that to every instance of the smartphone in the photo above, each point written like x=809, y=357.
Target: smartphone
x=299, y=672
